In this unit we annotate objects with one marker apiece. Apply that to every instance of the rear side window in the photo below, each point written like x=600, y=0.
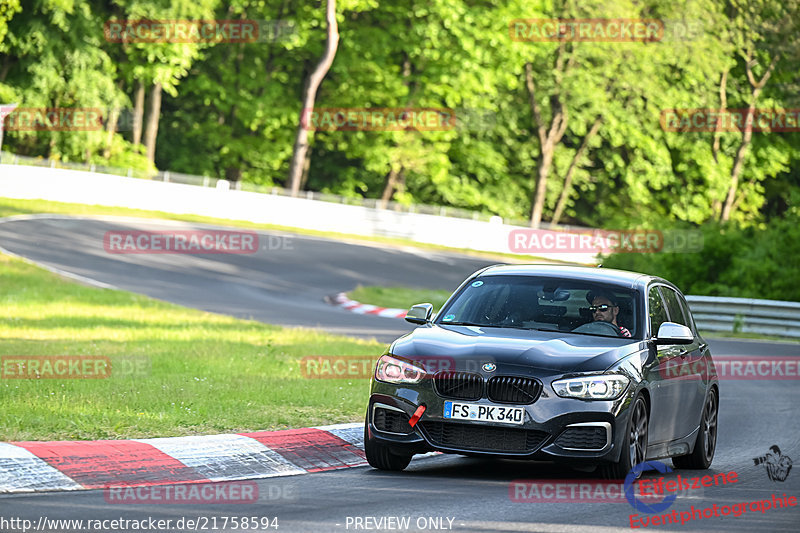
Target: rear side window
x=674, y=307
x=658, y=313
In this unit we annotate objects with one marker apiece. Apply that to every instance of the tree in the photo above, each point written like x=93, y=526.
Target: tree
x=763, y=34
x=300, y=151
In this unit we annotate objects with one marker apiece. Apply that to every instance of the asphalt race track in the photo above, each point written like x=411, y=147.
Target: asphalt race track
x=452, y=493
x=283, y=283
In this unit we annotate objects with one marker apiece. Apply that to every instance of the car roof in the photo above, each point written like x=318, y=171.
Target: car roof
x=602, y=275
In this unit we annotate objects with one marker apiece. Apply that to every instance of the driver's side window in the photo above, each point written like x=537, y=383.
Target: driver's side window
x=658, y=313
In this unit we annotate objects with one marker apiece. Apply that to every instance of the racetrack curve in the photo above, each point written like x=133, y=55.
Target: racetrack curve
x=286, y=286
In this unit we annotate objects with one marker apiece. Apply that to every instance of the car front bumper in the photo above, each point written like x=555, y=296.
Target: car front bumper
x=554, y=428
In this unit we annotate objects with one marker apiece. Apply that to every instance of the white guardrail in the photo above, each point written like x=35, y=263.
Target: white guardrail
x=746, y=315
x=221, y=201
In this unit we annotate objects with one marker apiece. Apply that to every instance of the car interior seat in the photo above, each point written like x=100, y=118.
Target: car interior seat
x=521, y=306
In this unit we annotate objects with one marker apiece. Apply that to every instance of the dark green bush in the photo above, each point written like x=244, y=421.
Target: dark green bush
x=753, y=262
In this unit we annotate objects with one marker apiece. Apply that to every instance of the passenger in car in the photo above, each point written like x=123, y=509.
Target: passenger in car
x=605, y=308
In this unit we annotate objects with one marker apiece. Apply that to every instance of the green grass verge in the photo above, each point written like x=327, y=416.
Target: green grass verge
x=11, y=206
x=207, y=373
x=399, y=297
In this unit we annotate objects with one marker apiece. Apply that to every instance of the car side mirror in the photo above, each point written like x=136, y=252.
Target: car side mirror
x=419, y=314
x=673, y=333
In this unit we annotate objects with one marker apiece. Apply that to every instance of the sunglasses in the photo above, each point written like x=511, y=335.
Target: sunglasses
x=602, y=308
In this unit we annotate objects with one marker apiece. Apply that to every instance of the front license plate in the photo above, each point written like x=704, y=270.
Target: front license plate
x=484, y=413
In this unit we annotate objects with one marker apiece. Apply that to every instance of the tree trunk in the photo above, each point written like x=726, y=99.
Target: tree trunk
x=400, y=186
x=151, y=130
x=723, y=104
x=738, y=164
x=567, y=189
x=111, y=129
x=389, y=188
x=138, y=113
x=306, y=167
x=310, y=94
x=747, y=135
x=233, y=174
x=548, y=139
x=545, y=161
x=6, y=67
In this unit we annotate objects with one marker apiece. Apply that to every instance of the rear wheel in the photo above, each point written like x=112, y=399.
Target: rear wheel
x=379, y=456
x=706, y=443
x=635, y=449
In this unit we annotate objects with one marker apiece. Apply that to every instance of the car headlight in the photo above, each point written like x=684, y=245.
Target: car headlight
x=393, y=370
x=600, y=387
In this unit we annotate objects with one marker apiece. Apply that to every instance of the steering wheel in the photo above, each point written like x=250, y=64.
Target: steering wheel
x=600, y=327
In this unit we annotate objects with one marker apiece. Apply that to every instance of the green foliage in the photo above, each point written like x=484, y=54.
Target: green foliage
x=124, y=155
x=751, y=262
x=230, y=110
x=7, y=10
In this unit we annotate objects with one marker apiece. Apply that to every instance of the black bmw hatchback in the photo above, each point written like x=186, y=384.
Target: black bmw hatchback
x=588, y=366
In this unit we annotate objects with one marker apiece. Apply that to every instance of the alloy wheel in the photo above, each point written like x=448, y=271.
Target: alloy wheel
x=637, y=440
x=710, y=426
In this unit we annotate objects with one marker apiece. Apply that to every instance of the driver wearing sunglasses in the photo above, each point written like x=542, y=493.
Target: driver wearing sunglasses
x=604, y=308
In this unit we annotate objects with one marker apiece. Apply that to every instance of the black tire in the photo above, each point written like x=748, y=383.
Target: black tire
x=379, y=456
x=635, y=449
x=706, y=443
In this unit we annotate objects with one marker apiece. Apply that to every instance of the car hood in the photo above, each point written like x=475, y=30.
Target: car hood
x=551, y=352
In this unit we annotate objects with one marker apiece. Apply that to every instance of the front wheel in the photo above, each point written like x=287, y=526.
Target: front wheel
x=379, y=456
x=635, y=449
x=706, y=443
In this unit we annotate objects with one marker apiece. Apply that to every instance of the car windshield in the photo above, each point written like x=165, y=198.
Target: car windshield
x=544, y=303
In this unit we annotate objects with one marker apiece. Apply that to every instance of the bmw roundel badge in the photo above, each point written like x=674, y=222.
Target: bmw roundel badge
x=489, y=367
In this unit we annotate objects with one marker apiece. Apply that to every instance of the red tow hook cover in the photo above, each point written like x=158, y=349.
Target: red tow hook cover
x=417, y=415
